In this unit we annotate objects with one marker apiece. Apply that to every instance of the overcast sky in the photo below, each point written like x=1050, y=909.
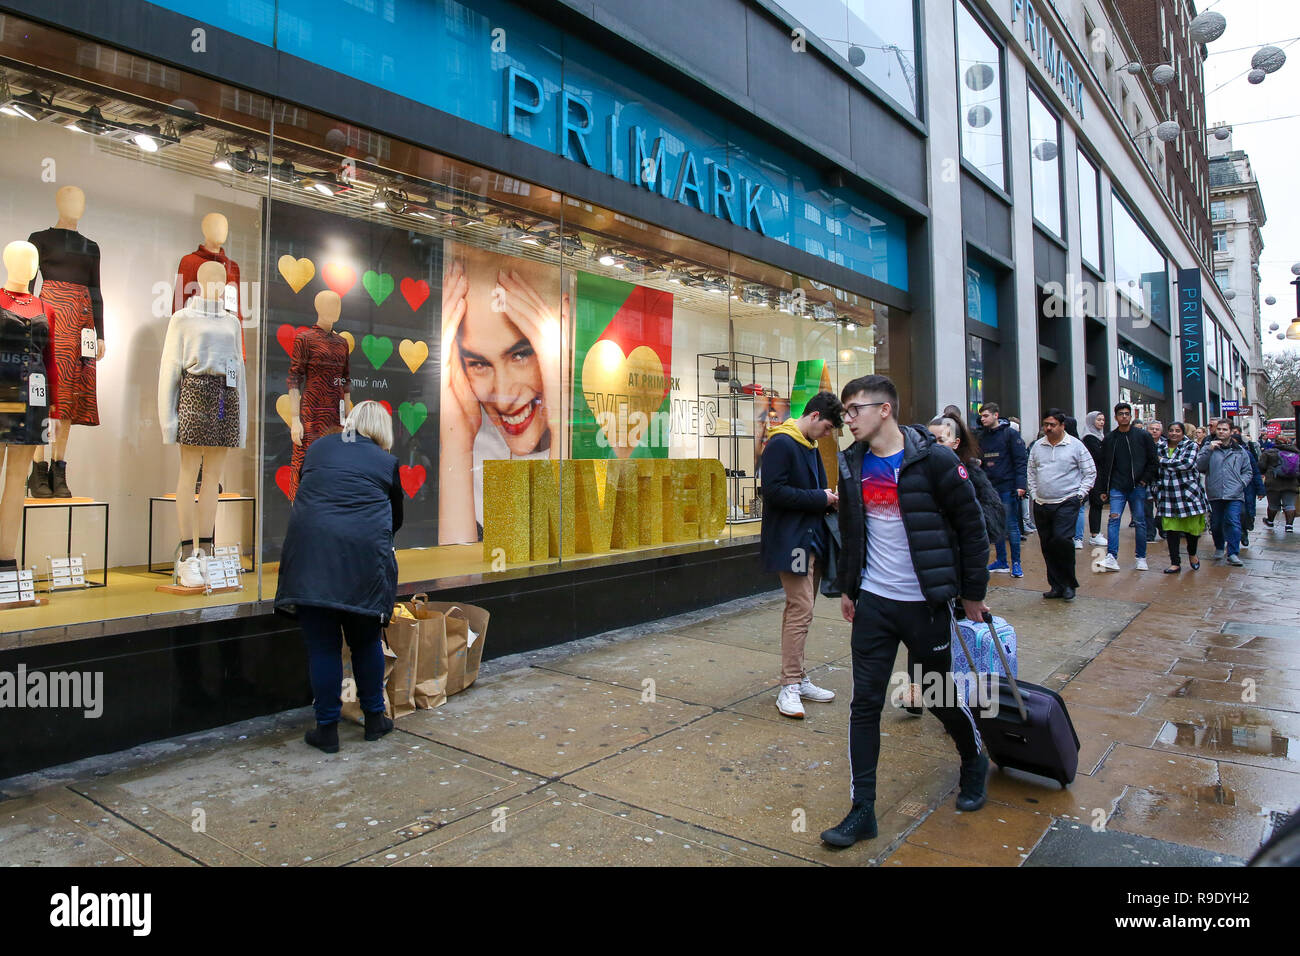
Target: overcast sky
x=1274, y=147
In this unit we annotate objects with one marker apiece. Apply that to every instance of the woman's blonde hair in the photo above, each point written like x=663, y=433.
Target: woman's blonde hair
x=372, y=420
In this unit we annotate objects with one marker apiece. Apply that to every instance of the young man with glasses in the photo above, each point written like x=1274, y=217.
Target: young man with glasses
x=912, y=541
x=794, y=540
x=1061, y=473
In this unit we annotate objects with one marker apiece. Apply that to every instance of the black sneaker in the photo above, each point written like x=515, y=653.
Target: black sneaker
x=1268, y=523
x=860, y=824
x=974, y=783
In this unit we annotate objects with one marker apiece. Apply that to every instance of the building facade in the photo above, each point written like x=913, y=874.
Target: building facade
x=1237, y=211
x=586, y=256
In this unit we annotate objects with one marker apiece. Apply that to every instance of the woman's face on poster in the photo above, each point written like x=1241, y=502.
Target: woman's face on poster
x=505, y=375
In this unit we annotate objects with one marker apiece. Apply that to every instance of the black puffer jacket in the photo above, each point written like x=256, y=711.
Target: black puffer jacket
x=945, y=529
x=995, y=512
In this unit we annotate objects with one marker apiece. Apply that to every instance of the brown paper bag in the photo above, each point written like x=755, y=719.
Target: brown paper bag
x=351, y=704
x=403, y=636
x=466, y=630
x=431, y=665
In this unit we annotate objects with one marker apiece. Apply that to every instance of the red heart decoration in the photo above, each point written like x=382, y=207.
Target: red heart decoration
x=388, y=408
x=412, y=479
x=339, y=276
x=415, y=292
x=285, y=335
x=282, y=480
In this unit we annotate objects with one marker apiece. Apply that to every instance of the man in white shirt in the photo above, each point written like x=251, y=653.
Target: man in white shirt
x=1061, y=472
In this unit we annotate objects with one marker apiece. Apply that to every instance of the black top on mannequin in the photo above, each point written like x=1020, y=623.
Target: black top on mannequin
x=68, y=256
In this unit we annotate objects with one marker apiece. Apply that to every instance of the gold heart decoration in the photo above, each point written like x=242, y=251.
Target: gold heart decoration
x=296, y=272
x=636, y=381
x=413, y=353
x=347, y=337
x=283, y=409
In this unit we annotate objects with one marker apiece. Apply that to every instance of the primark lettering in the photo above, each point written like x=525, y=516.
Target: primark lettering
x=705, y=185
x=1050, y=53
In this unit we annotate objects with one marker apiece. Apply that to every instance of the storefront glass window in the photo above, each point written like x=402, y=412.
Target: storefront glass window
x=1140, y=269
x=567, y=384
x=979, y=82
x=1045, y=163
x=981, y=289
x=877, y=37
x=1089, y=213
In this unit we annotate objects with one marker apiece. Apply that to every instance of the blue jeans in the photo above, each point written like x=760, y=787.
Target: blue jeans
x=1137, y=503
x=1225, y=525
x=1012, y=504
x=320, y=629
x=1081, y=522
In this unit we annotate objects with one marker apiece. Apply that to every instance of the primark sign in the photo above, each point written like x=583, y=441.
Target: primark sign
x=1039, y=39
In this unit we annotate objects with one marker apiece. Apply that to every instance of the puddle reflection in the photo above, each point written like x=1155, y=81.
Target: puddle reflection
x=1238, y=732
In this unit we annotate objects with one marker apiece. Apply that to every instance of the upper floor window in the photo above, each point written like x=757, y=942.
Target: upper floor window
x=1220, y=240
x=1045, y=163
x=879, y=42
x=1089, y=213
x=1219, y=209
x=979, y=79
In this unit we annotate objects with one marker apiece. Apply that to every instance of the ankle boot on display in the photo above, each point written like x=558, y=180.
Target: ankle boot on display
x=324, y=737
x=59, y=479
x=38, y=485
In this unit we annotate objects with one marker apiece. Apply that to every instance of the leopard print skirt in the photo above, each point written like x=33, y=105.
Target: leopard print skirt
x=208, y=412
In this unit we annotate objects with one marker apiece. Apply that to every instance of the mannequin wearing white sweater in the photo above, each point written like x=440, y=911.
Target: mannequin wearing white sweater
x=202, y=339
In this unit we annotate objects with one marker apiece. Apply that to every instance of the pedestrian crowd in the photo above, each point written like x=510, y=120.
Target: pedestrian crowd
x=903, y=539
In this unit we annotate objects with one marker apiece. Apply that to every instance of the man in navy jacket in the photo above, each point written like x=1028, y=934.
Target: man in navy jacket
x=795, y=542
x=1005, y=459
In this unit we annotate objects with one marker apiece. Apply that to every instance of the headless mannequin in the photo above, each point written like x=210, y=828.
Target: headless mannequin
x=21, y=262
x=70, y=202
x=212, y=285
x=328, y=307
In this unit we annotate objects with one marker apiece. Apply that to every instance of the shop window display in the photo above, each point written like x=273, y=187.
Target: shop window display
x=566, y=384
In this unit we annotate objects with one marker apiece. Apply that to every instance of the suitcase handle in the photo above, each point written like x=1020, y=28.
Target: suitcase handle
x=1002, y=655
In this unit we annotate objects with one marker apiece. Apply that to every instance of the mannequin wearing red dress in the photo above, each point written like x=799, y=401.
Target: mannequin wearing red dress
x=320, y=385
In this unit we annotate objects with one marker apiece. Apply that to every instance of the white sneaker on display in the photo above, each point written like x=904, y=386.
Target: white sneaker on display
x=189, y=573
x=1142, y=564
x=810, y=691
x=1099, y=539
x=1110, y=564
x=788, y=702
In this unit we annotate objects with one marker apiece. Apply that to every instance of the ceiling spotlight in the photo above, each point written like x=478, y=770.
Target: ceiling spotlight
x=606, y=257
x=1163, y=75
x=221, y=157
x=1207, y=27
x=92, y=121
x=850, y=327
x=147, y=140
x=1255, y=77
x=321, y=187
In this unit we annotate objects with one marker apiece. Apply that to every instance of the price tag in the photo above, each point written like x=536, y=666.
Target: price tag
x=7, y=577
x=61, y=581
x=36, y=390
x=232, y=298
x=232, y=372
x=76, y=563
x=342, y=413
x=27, y=596
x=89, y=345
x=58, y=562
x=79, y=580
x=25, y=576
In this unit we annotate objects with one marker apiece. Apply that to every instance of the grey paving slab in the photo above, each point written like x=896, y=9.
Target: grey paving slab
x=1289, y=632
x=57, y=827
x=1073, y=844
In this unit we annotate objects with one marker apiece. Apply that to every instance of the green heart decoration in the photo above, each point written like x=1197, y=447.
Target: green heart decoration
x=413, y=415
x=380, y=285
x=377, y=349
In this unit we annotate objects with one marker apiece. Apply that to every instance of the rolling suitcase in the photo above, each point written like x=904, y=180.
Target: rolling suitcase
x=1031, y=729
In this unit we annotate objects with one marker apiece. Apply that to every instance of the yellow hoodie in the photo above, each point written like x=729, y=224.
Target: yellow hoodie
x=791, y=427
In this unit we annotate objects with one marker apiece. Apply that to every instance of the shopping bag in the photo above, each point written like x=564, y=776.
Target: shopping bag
x=348, y=694
x=466, y=630
x=431, y=662
x=404, y=638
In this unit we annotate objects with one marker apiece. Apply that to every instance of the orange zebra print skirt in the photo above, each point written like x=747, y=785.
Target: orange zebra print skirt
x=74, y=396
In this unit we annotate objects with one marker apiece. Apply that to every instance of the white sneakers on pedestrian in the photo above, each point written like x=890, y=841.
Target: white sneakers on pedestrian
x=1078, y=544
x=810, y=691
x=1099, y=540
x=1142, y=564
x=788, y=702
x=1217, y=556
x=191, y=571
x=1110, y=564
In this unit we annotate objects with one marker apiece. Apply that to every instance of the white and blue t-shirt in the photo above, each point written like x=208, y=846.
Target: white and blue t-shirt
x=889, y=571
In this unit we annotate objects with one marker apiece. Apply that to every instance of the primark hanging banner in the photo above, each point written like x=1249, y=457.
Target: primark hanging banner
x=1191, y=326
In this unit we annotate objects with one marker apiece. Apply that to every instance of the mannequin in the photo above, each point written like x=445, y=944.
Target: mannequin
x=26, y=390
x=320, y=384
x=202, y=397
x=69, y=266
x=216, y=229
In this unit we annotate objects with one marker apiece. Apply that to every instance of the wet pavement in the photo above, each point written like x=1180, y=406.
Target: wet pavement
x=661, y=745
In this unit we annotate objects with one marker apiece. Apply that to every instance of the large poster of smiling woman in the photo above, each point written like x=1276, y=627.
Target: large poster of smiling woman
x=504, y=332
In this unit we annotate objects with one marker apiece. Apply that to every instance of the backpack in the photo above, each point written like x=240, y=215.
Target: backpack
x=1288, y=465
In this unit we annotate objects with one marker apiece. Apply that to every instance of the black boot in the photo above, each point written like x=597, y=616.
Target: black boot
x=38, y=485
x=59, y=479
x=325, y=737
x=377, y=724
x=974, y=783
x=860, y=824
